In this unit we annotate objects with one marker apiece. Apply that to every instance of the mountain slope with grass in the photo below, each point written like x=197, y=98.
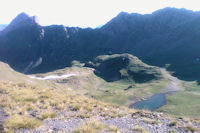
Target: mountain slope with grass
x=7, y=73
x=123, y=66
x=98, y=82
x=54, y=108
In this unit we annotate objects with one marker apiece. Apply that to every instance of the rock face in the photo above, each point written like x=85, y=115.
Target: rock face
x=167, y=36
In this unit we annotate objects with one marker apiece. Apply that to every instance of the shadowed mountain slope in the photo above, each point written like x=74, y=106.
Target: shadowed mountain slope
x=167, y=36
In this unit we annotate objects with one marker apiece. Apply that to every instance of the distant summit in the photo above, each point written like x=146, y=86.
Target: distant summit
x=21, y=16
x=20, y=21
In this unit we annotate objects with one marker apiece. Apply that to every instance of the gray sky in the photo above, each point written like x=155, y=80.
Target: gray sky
x=84, y=13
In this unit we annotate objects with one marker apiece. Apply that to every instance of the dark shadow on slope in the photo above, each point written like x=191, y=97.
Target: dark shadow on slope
x=109, y=70
x=123, y=66
x=142, y=76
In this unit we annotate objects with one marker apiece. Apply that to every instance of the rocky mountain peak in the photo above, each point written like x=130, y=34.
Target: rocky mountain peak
x=21, y=16
x=21, y=20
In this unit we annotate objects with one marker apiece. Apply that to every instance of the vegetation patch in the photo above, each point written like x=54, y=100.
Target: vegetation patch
x=95, y=126
x=139, y=129
x=185, y=102
x=48, y=115
x=190, y=128
x=150, y=121
x=26, y=112
x=21, y=122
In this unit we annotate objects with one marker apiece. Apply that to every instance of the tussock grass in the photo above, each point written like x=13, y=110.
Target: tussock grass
x=190, y=128
x=172, y=131
x=48, y=115
x=139, y=129
x=95, y=126
x=19, y=100
x=17, y=122
x=150, y=121
x=114, y=129
x=76, y=107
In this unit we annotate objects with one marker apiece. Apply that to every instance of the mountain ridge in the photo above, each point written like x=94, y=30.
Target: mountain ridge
x=167, y=36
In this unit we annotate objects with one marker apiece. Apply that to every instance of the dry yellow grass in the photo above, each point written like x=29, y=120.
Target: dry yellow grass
x=92, y=126
x=18, y=99
x=95, y=126
x=17, y=122
x=139, y=129
x=150, y=121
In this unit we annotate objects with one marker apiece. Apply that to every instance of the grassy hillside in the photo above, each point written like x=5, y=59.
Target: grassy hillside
x=31, y=103
x=123, y=66
x=28, y=102
x=121, y=92
x=184, y=102
x=7, y=73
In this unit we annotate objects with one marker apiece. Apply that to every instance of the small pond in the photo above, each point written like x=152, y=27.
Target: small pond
x=152, y=103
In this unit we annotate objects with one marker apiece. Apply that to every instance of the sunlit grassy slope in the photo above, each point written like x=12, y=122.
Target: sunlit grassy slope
x=20, y=99
x=121, y=92
x=28, y=102
x=184, y=102
x=7, y=73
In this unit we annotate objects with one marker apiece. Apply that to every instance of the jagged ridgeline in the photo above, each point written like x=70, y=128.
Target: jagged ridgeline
x=123, y=66
x=167, y=37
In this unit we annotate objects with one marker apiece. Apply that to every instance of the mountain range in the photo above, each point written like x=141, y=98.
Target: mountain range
x=109, y=79
x=166, y=38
